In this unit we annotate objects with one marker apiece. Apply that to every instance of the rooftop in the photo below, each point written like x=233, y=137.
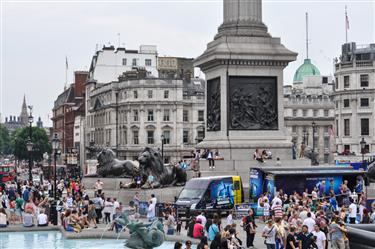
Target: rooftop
x=306, y=69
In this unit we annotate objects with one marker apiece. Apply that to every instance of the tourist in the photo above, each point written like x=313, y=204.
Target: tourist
x=337, y=234
x=278, y=162
x=269, y=233
x=28, y=218
x=213, y=230
x=305, y=238
x=203, y=244
x=3, y=218
x=210, y=158
x=92, y=214
x=320, y=237
x=150, y=181
x=198, y=231
x=151, y=211
x=291, y=242
x=170, y=223
x=136, y=200
x=12, y=211
x=178, y=226
x=230, y=220
x=99, y=186
x=98, y=202
x=257, y=156
x=177, y=245
x=188, y=244
x=249, y=228
x=309, y=222
x=42, y=219
x=216, y=242
x=233, y=242
x=352, y=211
x=108, y=210
x=19, y=206
x=190, y=227
x=202, y=217
x=365, y=217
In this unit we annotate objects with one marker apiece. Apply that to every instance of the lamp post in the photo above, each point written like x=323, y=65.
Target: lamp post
x=29, y=146
x=55, y=147
x=363, y=145
x=162, y=147
x=313, y=127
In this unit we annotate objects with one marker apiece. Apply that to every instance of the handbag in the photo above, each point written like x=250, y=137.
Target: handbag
x=268, y=234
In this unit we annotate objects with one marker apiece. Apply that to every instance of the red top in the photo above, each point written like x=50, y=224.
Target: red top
x=198, y=231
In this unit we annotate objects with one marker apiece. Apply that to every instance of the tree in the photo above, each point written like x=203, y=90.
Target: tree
x=5, y=141
x=39, y=139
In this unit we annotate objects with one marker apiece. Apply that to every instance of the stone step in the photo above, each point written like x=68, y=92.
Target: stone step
x=242, y=165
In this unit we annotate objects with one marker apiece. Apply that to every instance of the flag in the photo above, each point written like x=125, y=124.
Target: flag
x=346, y=19
x=66, y=63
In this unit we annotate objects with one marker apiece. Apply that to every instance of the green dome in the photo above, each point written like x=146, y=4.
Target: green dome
x=306, y=69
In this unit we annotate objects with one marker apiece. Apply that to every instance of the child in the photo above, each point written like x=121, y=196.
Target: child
x=179, y=225
x=266, y=209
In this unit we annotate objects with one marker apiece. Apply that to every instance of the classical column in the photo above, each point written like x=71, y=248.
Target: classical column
x=243, y=11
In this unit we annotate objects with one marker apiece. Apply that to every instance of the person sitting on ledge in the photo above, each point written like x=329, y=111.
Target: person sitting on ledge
x=28, y=218
x=3, y=218
x=42, y=219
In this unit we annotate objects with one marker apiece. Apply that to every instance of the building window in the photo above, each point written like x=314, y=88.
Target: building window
x=326, y=113
x=346, y=81
x=135, y=137
x=135, y=116
x=166, y=94
x=294, y=113
x=166, y=115
x=337, y=104
x=150, y=137
x=337, y=128
x=364, y=102
x=150, y=115
x=325, y=80
x=326, y=158
x=365, y=129
x=346, y=147
x=135, y=94
x=134, y=62
x=149, y=94
x=167, y=137
x=337, y=83
x=148, y=62
x=185, y=136
x=200, y=115
x=185, y=116
x=124, y=137
x=304, y=113
x=294, y=129
x=200, y=135
x=364, y=80
x=315, y=113
x=124, y=61
x=346, y=127
x=346, y=103
x=326, y=142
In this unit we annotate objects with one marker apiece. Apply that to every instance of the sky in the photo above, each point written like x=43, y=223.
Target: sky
x=37, y=36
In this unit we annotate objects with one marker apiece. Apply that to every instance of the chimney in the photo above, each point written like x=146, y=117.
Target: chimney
x=6, y=119
x=80, y=78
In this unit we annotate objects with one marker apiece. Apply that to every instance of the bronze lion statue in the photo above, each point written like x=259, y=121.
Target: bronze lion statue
x=150, y=163
x=110, y=166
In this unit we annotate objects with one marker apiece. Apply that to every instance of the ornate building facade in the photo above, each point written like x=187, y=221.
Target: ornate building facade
x=15, y=122
x=306, y=101
x=139, y=111
x=354, y=98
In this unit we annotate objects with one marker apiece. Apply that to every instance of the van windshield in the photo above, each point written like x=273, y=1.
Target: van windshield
x=189, y=194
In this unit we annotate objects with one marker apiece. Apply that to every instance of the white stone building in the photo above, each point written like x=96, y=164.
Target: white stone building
x=354, y=98
x=109, y=63
x=306, y=101
x=136, y=111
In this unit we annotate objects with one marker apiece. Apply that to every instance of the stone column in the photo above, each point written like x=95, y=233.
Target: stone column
x=242, y=11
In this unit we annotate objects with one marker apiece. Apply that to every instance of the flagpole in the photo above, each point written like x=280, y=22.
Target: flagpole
x=66, y=72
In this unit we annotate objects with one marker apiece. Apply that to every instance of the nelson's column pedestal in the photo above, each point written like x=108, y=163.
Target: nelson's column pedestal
x=244, y=72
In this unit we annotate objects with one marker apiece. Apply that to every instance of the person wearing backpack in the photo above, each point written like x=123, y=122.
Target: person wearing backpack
x=269, y=233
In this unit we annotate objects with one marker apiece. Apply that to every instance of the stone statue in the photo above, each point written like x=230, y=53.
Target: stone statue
x=150, y=163
x=313, y=156
x=213, y=105
x=110, y=166
x=145, y=236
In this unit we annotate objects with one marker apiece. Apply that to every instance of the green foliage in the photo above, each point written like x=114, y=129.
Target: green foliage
x=39, y=140
x=5, y=141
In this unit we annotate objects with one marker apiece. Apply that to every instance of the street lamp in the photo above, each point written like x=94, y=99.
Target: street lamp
x=162, y=147
x=29, y=146
x=363, y=145
x=55, y=147
x=313, y=145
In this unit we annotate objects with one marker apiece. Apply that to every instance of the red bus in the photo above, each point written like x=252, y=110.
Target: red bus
x=7, y=172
